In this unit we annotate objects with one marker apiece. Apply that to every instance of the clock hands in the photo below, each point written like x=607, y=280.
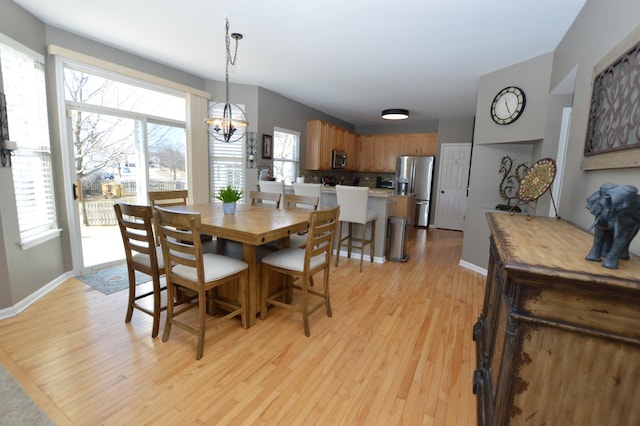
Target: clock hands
x=506, y=104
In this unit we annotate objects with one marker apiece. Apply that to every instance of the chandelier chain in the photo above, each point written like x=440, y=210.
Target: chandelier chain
x=227, y=40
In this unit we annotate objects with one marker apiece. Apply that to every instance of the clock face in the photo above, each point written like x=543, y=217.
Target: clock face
x=508, y=105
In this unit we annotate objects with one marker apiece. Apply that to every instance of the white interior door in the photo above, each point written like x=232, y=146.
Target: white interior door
x=453, y=179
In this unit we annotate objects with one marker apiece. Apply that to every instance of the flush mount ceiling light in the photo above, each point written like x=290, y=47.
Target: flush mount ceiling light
x=395, y=114
x=227, y=122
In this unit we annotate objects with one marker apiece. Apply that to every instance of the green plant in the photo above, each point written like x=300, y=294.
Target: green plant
x=229, y=194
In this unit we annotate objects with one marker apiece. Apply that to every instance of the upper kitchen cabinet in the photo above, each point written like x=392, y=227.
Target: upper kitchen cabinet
x=419, y=144
x=366, y=152
x=322, y=139
x=318, y=148
x=392, y=149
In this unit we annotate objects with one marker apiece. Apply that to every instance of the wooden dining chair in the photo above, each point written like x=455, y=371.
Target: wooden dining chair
x=272, y=186
x=188, y=268
x=301, y=202
x=301, y=264
x=142, y=254
x=266, y=198
x=178, y=197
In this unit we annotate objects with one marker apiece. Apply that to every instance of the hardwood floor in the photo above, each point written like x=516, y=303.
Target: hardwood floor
x=397, y=351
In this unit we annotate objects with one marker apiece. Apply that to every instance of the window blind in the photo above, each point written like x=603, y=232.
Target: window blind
x=24, y=87
x=226, y=164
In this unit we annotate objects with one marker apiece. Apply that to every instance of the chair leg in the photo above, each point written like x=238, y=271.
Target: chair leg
x=202, y=312
x=156, y=306
x=170, y=305
x=264, y=293
x=326, y=293
x=243, y=280
x=305, y=309
x=364, y=235
x=132, y=295
x=349, y=241
x=373, y=239
x=339, y=242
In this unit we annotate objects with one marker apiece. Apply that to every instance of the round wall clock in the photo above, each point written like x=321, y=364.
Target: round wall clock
x=508, y=105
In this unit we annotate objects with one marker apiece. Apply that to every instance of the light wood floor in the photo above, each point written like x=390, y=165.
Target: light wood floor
x=397, y=351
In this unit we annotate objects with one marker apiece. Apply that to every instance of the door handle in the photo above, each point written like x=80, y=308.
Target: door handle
x=74, y=189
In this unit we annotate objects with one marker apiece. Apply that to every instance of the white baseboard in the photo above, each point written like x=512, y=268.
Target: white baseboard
x=473, y=267
x=14, y=310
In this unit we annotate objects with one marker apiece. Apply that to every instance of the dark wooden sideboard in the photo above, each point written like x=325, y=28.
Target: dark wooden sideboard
x=558, y=338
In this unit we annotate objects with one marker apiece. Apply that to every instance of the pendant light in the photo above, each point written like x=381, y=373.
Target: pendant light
x=227, y=122
x=395, y=114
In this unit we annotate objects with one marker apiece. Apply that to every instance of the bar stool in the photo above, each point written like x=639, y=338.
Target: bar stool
x=353, y=202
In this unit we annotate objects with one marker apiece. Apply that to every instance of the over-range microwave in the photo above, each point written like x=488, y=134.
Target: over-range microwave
x=339, y=159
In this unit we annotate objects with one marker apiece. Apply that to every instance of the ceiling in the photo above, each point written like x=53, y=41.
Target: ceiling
x=350, y=59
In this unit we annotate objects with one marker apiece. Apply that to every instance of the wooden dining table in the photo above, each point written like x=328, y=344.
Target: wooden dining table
x=252, y=227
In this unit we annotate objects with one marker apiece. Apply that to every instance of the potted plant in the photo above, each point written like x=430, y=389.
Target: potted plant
x=229, y=196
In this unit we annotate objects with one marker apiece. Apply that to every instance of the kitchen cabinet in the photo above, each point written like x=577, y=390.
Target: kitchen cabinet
x=318, y=146
x=322, y=139
x=379, y=159
x=557, y=341
x=365, y=153
x=391, y=152
x=419, y=144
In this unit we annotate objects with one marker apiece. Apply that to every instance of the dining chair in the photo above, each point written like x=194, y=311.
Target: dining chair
x=353, y=202
x=178, y=197
x=143, y=255
x=271, y=186
x=308, y=189
x=188, y=268
x=301, y=264
x=266, y=198
x=301, y=202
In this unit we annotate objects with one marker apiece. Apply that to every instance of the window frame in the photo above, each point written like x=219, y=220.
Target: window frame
x=295, y=160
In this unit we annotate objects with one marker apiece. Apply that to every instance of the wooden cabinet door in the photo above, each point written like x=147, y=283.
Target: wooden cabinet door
x=391, y=152
x=427, y=143
x=312, y=147
x=409, y=144
x=379, y=159
x=351, y=148
x=365, y=157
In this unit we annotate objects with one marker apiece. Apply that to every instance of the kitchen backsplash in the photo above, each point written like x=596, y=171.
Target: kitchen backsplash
x=366, y=179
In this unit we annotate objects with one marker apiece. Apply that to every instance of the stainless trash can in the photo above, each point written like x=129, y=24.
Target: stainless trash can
x=397, y=232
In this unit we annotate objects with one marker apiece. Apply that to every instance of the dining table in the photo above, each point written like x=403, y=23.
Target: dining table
x=253, y=227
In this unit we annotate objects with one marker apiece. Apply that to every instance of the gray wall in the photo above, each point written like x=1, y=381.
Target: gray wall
x=587, y=42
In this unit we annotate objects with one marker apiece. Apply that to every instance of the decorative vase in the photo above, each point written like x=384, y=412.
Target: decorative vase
x=229, y=208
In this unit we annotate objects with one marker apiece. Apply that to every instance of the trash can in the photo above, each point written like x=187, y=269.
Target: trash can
x=397, y=233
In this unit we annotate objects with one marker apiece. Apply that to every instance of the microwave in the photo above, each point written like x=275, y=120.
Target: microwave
x=339, y=159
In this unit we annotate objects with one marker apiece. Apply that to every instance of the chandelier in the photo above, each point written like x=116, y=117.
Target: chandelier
x=227, y=122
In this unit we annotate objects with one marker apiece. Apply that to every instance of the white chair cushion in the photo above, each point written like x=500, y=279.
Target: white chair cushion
x=353, y=202
x=144, y=259
x=292, y=258
x=216, y=266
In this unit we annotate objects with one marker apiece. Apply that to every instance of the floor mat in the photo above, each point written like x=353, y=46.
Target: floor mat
x=113, y=279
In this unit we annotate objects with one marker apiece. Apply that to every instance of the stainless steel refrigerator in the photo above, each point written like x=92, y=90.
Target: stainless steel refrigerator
x=414, y=175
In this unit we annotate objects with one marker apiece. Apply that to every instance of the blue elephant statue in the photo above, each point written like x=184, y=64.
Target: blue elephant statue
x=617, y=219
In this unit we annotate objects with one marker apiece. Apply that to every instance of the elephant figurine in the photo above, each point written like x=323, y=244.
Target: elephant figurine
x=617, y=219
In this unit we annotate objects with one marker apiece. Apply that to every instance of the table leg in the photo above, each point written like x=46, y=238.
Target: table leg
x=249, y=256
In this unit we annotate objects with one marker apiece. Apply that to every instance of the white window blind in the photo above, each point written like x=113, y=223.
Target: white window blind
x=226, y=164
x=24, y=87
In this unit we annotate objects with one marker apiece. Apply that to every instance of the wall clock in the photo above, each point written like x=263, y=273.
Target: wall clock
x=508, y=105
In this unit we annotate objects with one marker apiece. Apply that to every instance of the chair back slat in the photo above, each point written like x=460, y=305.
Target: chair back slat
x=135, y=223
x=322, y=229
x=301, y=201
x=266, y=198
x=179, y=234
x=178, y=197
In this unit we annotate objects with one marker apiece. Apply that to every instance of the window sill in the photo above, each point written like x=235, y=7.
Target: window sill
x=43, y=237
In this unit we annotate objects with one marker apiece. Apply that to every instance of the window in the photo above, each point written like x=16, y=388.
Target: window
x=24, y=87
x=226, y=163
x=286, y=155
